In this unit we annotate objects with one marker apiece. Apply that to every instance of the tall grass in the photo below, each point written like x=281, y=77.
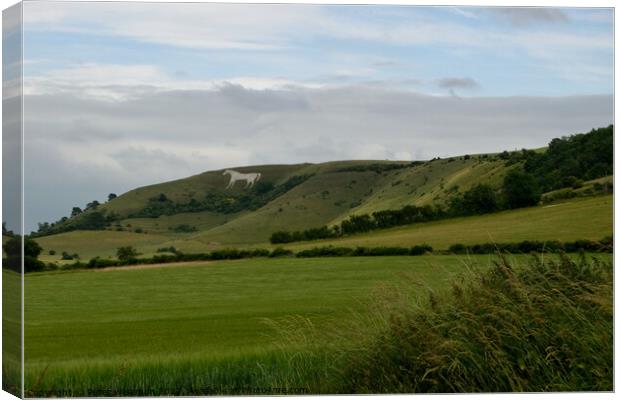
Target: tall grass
x=547, y=326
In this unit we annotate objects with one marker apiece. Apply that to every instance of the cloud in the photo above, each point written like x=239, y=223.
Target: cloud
x=457, y=83
x=80, y=148
x=522, y=16
x=199, y=26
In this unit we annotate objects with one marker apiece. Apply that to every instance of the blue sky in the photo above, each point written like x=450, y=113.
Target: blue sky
x=119, y=95
x=546, y=52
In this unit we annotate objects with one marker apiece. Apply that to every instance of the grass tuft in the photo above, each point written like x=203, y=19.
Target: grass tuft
x=547, y=326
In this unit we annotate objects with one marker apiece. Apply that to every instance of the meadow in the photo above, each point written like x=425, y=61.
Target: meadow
x=581, y=218
x=208, y=327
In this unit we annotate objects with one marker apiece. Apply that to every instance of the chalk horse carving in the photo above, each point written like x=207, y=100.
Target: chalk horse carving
x=250, y=178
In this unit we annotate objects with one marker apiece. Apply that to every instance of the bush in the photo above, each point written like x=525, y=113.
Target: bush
x=183, y=228
x=126, y=253
x=281, y=237
x=326, y=251
x=170, y=249
x=420, y=250
x=280, y=252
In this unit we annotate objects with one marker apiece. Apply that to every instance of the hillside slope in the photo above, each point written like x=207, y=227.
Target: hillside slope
x=329, y=193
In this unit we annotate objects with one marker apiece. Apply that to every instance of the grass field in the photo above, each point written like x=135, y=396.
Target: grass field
x=581, y=218
x=589, y=218
x=201, y=325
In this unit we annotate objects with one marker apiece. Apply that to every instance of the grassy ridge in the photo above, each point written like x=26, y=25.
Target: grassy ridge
x=335, y=191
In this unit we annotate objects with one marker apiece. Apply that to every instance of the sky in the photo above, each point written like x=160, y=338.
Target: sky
x=121, y=95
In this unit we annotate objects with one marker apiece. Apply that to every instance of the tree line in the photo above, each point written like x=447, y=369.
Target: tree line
x=128, y=255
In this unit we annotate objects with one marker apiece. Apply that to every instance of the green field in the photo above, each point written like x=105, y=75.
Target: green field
x=198, y=324
x=580, y=218
x=589, y=218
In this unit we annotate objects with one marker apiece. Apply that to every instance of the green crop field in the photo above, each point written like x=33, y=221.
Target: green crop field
x=139, y=327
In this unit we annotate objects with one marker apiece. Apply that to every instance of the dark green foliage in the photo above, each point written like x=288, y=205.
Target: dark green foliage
x=323, y=232
x=379, y=168
x=358, y=224
x=363, y=223
x=170, y=249
x=262, y=187
x=546, y=326
x=126, y=253
x=582, y=156
x=75, y=211
x=280, y=252
x=326, y=251
x=528, y=246
x=13, y=250
x=480, y=199
x=52, y=252
x=184, y=228
x=281, y=237
x=87, y=220
x=66, y=256
x=331, y=251
x=112, y=196
x=520, y=189
x=92, y=205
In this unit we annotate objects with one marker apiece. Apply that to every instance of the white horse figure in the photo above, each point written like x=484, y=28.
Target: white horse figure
x=250, y=178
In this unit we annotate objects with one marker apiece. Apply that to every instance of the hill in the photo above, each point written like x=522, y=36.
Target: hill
x=201, y=212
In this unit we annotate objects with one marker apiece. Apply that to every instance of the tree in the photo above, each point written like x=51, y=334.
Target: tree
x=481, y=199
x=112, y=196
x=520, y=190
x=75, y=211
x=263, y=187
x=92, y=221
x=126, y=253
x=5, y=231
x=92, y=205
x=13, y=250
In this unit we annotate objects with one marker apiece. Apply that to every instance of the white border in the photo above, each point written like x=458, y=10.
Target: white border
x=489, y=3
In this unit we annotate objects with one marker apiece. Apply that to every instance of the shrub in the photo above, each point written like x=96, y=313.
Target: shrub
x=184, y=228
x=126, y=253
x=170, y=249
x=420, y=250
x=260, y=253
x=280, y=252
x=281, y=237
x=326, y=251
